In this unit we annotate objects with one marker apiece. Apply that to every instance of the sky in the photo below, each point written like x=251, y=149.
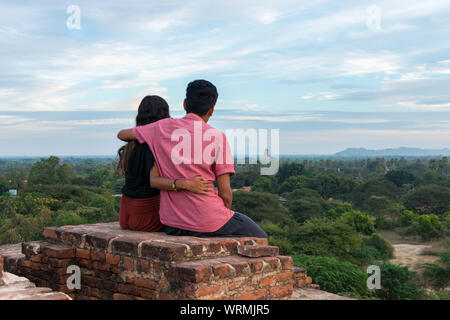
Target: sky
x=328, y=74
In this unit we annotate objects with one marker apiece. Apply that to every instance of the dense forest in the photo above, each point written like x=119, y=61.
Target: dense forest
x=334, y=216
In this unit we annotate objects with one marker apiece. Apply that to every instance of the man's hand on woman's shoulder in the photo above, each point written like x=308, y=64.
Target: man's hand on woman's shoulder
x=126, y=135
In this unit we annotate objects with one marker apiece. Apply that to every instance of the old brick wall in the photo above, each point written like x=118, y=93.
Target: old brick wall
x=121, y=264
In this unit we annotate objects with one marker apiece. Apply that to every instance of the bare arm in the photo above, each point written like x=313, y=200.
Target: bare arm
x=223, y=184
x=196, y=184
x=126, y=135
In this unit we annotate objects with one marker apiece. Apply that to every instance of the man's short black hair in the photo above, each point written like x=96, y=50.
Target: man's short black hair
x=201, y=95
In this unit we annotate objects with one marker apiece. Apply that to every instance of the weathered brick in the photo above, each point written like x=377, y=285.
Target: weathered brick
x=144, y=283
x=57, y=251
x=206, y=290
x=222, y=270
x=125, y=245
x=98, y=256
x=98, y=265
x=192, y=272
x=286, y=262
x=112, y=259
x=51, y=233
x=268, y=281
x=144, y=265
x=147, y=293
x=121, y=296
x=285, y=276
x=165, y=251
x=59, y=263
x=273, y=262
x=83, y=253
x=36, y=258
x=255, y=251
x=129, y=289
x=98, y=240
x=73, y=237
x=299, y=273
x=32, y=248
x=166, y=296
x=281, y=291
x=256, y=266
x=129, y=263
x=253, y=295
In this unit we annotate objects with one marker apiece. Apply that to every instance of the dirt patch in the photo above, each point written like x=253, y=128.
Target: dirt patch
x=410, y=255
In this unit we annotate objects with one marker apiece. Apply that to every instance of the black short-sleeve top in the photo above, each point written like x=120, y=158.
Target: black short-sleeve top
x=137, y=179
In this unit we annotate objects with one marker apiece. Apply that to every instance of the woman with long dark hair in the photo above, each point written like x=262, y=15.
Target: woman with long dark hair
x=139, y=206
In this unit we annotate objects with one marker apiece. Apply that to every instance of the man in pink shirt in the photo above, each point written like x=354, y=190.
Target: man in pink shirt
x=189, y=147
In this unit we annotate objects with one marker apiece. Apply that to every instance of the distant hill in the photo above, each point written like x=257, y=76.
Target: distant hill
x=402, y=151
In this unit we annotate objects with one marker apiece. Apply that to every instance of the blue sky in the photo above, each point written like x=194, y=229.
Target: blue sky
x=328, y=74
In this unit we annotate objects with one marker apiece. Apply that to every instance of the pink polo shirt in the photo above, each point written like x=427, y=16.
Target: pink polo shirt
x=185, y=148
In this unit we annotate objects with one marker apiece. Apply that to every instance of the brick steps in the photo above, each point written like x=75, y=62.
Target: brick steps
x=13, y=287
x=120, y=264
x=145, y=244
x=235, y=277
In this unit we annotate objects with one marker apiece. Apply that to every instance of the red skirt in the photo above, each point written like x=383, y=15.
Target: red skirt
x=140, y=214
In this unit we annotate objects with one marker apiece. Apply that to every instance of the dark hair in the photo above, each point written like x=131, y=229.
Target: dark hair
x=151, y=109
x=201, y=95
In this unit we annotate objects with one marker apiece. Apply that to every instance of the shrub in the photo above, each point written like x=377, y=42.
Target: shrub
x=397, y=283
x=361, y=222
x=374, y=248
x=439, y=271
x=427, y=226
x=332, y=275
x=406, y=218
x=327, y=237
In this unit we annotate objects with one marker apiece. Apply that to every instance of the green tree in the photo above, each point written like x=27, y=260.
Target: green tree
x=327, y=237
x=263, y=184
x=397, y=283
x=289, y=169
x=427, y=226
x=429, y=199
x=400, y=177
x=361, y=222
x=406, y=218
x=50, y=171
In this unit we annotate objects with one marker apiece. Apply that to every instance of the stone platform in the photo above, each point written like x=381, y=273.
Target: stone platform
x=123, y=264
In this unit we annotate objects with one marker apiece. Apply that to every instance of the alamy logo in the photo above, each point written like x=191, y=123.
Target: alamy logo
x=73, y=22
x=374, y=280
x=210, y=147
x=73, y=281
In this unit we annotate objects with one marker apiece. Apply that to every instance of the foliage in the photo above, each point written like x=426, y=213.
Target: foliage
x=327, y=237
x=263, y=184
x=289, y=169
x=261, y=206
x=50, y=171
x=406, y=218
x=427, y=226
x=361, y=222
x=374, y=248
x=333, y=275
x=429, y=199
x=400, y=177
x=397, y=283
x=439, y=271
